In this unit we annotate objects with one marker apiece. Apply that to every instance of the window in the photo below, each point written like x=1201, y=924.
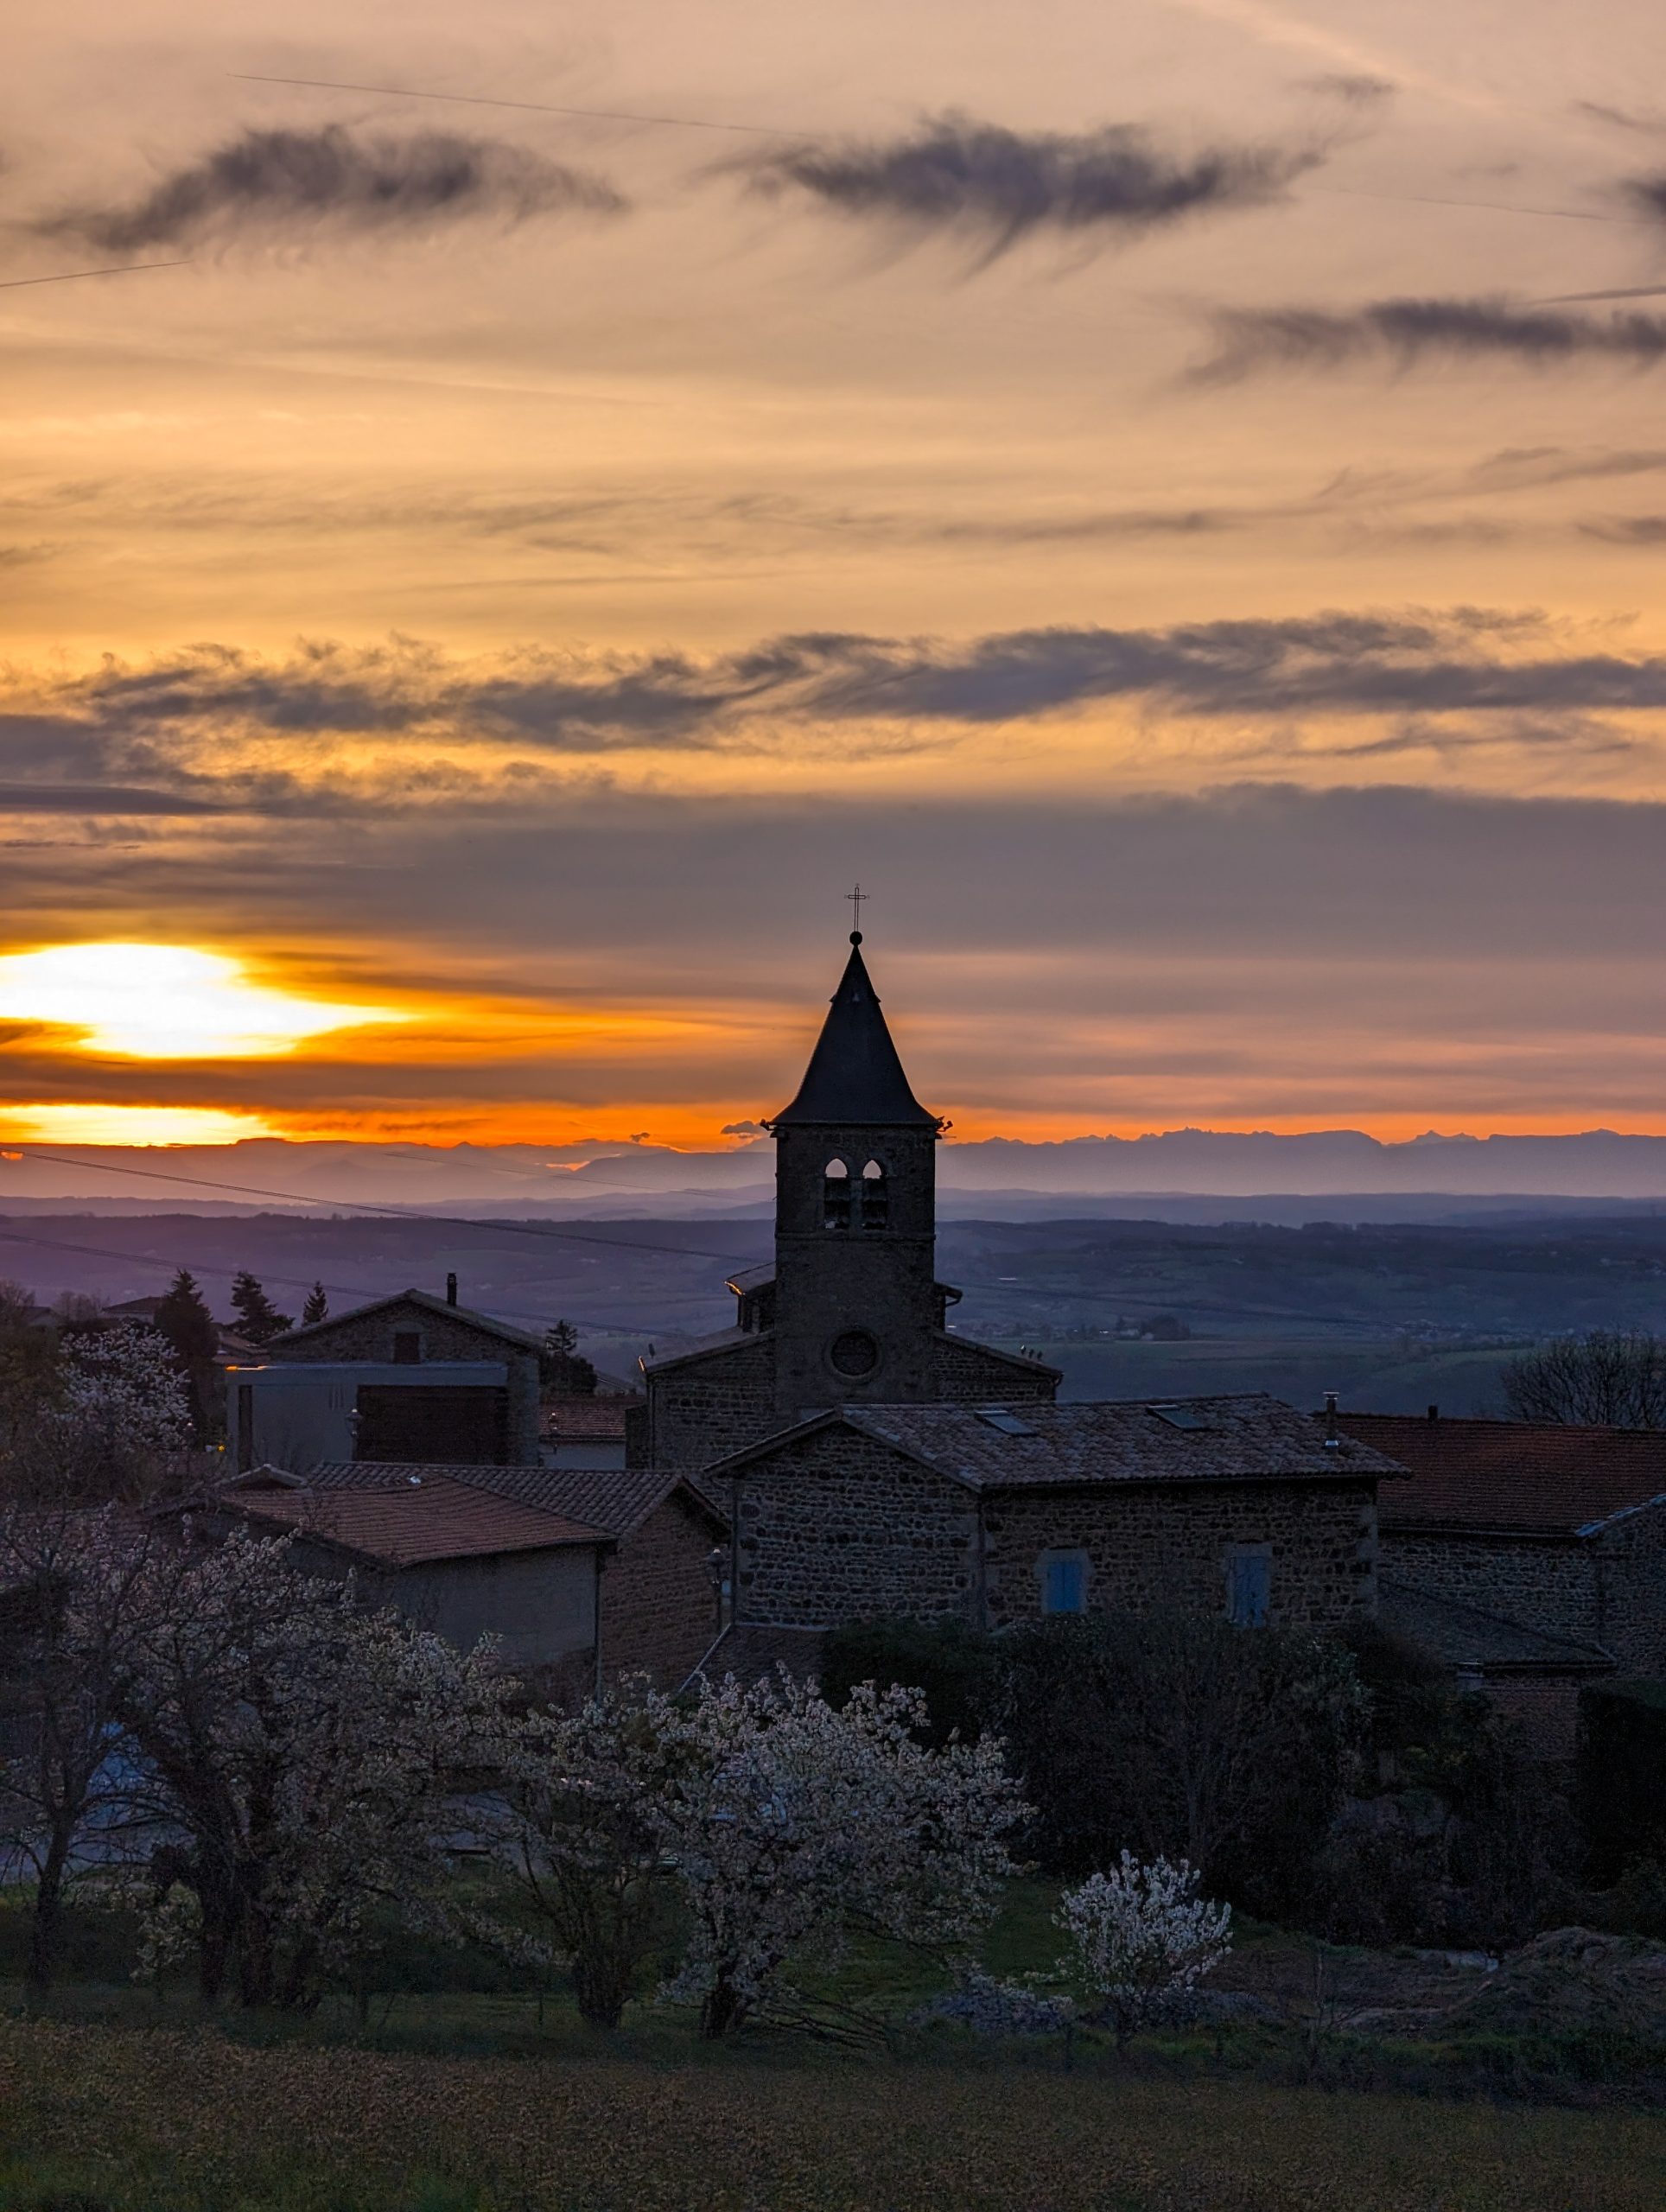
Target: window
x=407, y=1348
x=875, y=1196
x=854, y=1353
x=1007, y=1423
x=835, y=1195
x=1064, y=1577
x=1249, y=1585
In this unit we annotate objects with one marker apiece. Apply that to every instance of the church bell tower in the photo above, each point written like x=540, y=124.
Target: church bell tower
x=855, y=1302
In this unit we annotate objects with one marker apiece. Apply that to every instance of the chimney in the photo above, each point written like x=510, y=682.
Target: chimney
x=1435, y=1413
x=451, y=1290
x=1331, y=1439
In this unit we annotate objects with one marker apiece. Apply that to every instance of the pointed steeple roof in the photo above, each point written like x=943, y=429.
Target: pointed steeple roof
x=855, y=1077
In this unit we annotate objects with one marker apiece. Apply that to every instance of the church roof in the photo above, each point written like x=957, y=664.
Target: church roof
x=854, y=1076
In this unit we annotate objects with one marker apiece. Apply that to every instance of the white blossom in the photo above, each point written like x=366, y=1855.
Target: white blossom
x=1141, y=1938
x=121, y=1413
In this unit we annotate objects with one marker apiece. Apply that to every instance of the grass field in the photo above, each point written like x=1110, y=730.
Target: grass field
x=103, y=2119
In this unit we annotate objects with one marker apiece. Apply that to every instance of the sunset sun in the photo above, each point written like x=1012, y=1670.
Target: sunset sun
x=166, y=1002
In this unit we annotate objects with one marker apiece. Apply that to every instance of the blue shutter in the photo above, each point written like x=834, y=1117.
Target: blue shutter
x=1250, y=1589
x=1066, y=1582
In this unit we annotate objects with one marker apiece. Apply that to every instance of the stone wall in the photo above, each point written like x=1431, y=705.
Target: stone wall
x=966, y=1370
x=1547, y=1583
x=838, y=1527
x=370, y=1335
x=1631, y=1570
x=659, y=1609
x=703, y=1408
x=1150, y=1547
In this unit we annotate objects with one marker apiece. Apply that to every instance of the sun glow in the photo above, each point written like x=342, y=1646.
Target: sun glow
x=125, y=1125
x=166, y=1002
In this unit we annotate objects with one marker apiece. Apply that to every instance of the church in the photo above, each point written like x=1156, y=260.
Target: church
x=871, y=1461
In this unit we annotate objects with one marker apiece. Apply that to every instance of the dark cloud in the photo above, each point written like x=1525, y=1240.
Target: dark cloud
x=1622, y=119
x=1407, y=333
x=1647, y=194
x=174, y=721
x=96, y=798
x=1361, y=91
x=1626, y=530
x=290, y=181
x=994, y=186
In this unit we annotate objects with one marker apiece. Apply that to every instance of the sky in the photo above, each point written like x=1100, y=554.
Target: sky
x=1172, y=500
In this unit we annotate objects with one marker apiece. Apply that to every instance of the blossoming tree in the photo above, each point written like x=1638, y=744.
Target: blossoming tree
x=1141, y=1940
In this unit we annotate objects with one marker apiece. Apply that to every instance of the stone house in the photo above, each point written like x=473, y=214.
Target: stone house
x=659, y=1590
x=409, y=1378
x=851, y=1312
x=1560, y=1529
x=998, y=1513
x=451, y=1556
x=1554, y=1531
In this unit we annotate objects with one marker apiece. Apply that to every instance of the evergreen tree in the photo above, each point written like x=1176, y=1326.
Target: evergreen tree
x=183, y=1318
x=561, y=1373
x=258, y=1319
x=316, y=1308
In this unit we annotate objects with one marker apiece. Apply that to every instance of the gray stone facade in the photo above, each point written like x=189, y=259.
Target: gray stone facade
x=834, y=1525
x=1607, y=1590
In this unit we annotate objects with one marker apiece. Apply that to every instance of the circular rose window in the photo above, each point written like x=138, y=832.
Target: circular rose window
x=854, y=1352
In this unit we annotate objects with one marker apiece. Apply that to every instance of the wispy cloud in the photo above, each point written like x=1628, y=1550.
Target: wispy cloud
x=292, y=181
x=993, y=186
x=1405, y=334
x=241, y=728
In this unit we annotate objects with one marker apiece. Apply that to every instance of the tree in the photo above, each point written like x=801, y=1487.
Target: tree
x=316, y=1308
x=182, y=1316
x=1141, y=1940
x=304, y=1749
x=791, y=1825
x=562, y=1372
x=258, y=1319
x=76, y=1584
x=1608, y=1378
x=586, y=1843
x=1180, y=1735
x=111, y=1422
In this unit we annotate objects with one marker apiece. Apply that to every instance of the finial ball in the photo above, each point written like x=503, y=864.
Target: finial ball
x=855, y=937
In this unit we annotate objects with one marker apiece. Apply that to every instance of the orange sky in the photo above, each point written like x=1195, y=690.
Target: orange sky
x=520, y=570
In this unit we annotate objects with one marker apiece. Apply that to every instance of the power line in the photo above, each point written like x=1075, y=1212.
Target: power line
x=531, y=107
x=75, y=275
x=286, y=1282
x=374, y=1206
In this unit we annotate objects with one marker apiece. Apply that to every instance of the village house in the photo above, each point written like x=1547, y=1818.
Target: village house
x=451, y=1556
x=993, y=1514
x=409, y=1378
x=658, y=1598
x=1550, y=1532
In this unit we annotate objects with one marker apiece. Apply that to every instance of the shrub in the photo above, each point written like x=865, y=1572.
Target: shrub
x=951, y=1664
x=1141, y=1940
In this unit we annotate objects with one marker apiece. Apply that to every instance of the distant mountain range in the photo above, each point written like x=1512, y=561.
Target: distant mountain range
x=997, y=1176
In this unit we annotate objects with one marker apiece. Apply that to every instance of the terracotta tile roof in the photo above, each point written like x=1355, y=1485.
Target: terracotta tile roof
x=1536, y=1475
x=414, y=1524
x=752, y=1649
x=601, y=1420
x=614, y=1500
x=1029, y=1445
x=425, y=1301
x=1466, y=1636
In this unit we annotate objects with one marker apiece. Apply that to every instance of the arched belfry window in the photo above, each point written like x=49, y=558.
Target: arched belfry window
x=835, y=1195
x=875, y=1196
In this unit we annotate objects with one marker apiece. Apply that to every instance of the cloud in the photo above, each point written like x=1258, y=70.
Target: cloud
x=1648, y=194
x=992, y=185
x=1356, y=90
x=286, y=182
x=403, y=725
x=1627, y=529
x=1406, y=333
x=98, y=799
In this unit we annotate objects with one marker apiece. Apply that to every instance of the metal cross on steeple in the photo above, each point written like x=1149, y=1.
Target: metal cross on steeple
x=857, y=899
